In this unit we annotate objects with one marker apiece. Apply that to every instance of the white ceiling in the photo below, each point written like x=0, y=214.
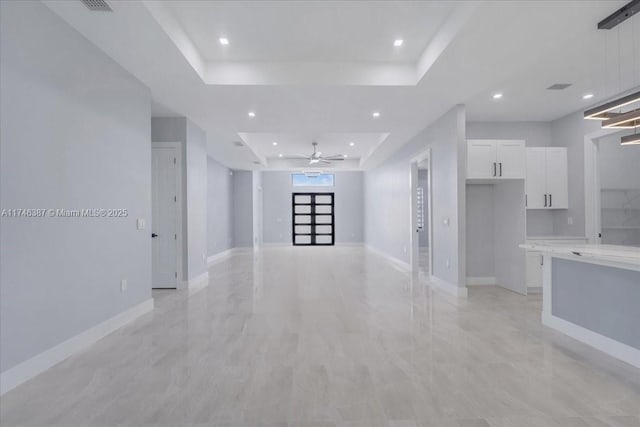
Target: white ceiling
x=329, y=144
x=517, y=47
x=310, y=31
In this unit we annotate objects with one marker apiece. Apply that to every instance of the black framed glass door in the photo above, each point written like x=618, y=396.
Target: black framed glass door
x=313, y=219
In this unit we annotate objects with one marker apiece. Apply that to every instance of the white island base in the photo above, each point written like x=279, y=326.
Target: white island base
x=592, y=294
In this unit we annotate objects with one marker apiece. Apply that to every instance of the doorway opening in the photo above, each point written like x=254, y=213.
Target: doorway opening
x=612, y=189
x=421, y=236
x=313, y=219
x=166, y=212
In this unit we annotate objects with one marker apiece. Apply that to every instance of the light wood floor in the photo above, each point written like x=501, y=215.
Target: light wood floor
x=329, y=337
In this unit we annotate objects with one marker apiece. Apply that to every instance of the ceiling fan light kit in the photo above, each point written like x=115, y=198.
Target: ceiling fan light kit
x=317, y=157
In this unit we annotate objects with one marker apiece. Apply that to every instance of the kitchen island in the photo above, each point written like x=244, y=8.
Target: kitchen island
x=592, y=293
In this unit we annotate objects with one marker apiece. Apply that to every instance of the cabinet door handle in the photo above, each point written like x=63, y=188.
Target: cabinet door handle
x=550, y=200
x=495, y=172
x=545, y=200
x=500, y=168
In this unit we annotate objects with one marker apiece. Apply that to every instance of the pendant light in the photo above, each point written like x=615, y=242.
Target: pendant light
x=606, y=112
x=633, y=139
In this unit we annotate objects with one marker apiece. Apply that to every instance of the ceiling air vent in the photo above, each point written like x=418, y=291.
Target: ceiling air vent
x=97, y=5
x=559, y=86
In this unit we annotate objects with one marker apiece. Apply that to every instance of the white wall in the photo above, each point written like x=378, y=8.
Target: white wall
x=75, y=134
x=388, y=198
x=219, y=208
x=348, y=201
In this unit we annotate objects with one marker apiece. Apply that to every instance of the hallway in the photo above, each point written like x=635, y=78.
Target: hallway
x=327, y=337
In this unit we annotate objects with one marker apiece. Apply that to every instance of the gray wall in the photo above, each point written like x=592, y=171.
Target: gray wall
x=480, y=231
x=619, y=208
x=619, y=164
x=75, y=134
x=219, y=208
x=196, y=200
x=194, y=188
x=387, y=197
x=242, y=183
x=569, y=132
x=174, y=129
x=578, y=295
x=349, y=203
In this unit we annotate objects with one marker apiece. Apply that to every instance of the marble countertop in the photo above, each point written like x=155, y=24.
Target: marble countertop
x=556, y=238
x=623, y=254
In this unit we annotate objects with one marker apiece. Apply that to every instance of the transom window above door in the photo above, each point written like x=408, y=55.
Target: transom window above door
x=313, y=180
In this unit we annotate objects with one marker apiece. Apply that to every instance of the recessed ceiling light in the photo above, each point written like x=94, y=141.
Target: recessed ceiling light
x=398, y=42
x=252, y=114
x=274, y=143
x=352, y=143
x=376, y=114
x=497, y=95
x=280, y=155
x=345, y=156
x=223, y=41
x=587, y=96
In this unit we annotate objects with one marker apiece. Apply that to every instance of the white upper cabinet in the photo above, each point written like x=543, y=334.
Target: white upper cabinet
x=511, y=159
x=536, y=182
x=496, y=159
x=547, y=182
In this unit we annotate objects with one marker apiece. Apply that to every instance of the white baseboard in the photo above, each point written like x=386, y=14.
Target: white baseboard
x=220, y=256
x=606, y=345
x=481, y=281
x=448, y=287
x=28, y=369
x=404, y=266
x=198, y=283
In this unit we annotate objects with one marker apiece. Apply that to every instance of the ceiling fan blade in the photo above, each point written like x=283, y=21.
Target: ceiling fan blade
x=295, y=157
x=326, y=162
x=336, y=157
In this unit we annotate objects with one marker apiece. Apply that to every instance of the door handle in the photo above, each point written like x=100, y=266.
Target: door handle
x=495, y=171
x=550, y=200
x=545, y=200
x=153, y=235
x=500, y=168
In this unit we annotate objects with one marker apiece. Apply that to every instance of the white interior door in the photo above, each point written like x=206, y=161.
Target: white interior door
x=536, y=181
x=164, y=182
x=481, y=159
x=512, y=159
x=557, y=181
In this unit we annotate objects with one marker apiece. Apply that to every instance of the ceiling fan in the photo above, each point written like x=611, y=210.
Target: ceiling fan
x=317, y=157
